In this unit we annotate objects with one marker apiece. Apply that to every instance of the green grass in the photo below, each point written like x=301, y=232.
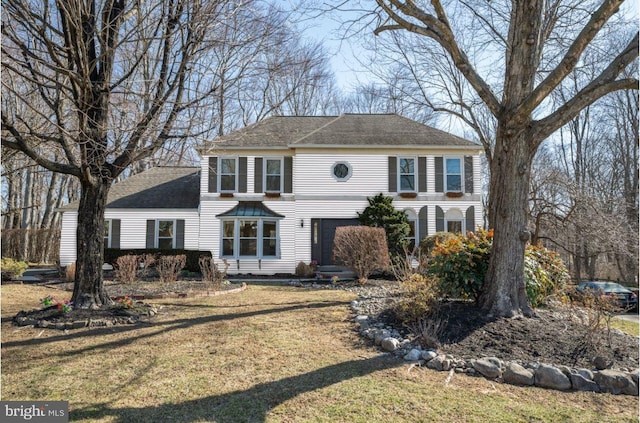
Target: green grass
x=274, y=354
x=632, y=328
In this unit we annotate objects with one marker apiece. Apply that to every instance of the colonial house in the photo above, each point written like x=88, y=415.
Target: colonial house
x=270, y=195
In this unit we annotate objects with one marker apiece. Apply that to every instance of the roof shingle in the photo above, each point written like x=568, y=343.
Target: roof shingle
x=156, y=188
x=347, y=130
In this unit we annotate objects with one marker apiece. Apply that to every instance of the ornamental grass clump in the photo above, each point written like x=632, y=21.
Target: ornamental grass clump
x=419, y=308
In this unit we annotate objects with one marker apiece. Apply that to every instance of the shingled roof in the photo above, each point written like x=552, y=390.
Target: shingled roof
x=157, y=188
x=346, y=131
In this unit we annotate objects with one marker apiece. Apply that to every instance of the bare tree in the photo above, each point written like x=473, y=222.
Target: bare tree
x=534, y=47
x=91, y=87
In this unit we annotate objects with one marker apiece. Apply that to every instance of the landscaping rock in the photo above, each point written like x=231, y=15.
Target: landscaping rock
x=363, y=321
x=380, y=335
x=581, y=383
x=515, y=374
x=615, y=382
x=413, y=355
x=634, y=375
x=488, y=367
x=389, y=344
x=551, y=377
x=439, y=363
x=601, y=363
x=429, y=355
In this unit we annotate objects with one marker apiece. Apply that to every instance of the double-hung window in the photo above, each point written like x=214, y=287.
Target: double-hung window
x=107, y=233
x=453, y=175
x=273, y=175
x=228, y=174
x=250, y=238
x=407, y=174
x=166, y=234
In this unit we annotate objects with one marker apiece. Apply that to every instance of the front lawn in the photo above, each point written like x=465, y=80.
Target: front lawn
x=266, y=354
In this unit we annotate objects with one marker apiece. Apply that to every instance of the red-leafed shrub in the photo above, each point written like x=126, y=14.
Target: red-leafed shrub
x=363, y=249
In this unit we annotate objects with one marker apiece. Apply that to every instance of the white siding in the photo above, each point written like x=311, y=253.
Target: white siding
x=68, y=238
x=313, y=174
x=133, y=225
x=133, y=228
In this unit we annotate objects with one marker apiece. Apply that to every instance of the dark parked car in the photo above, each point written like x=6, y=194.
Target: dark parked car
x=626, y=298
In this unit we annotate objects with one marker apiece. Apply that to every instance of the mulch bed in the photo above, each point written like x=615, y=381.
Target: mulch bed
x=139, y=312
x=557, y=336
x=554, y=337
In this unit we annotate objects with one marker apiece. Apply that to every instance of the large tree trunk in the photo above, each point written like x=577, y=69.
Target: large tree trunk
x=504, y=293
x=88, y=289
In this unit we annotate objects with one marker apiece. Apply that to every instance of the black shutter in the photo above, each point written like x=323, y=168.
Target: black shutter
x=288, y=174
x=257, y=182
x=151, y=233
x=180, y=234
x=468, y=174
x=439, y=219
x=115, y=233
x=422, y=174
x=393, y=174
x=422, y=224
x=213, y=174
x=439, y=174
x=242, y=174
x=471, y=219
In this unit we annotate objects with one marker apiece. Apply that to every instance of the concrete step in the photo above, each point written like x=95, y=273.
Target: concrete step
x=329, y=271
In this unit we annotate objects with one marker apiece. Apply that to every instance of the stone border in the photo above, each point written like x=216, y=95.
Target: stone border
x=562, y=378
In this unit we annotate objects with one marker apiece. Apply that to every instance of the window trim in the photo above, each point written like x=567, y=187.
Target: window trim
x=259, y=240
x=462, y=225
x=400, y=174
x=109, y=233
x=236, y=174
x=445, y=174
x=174, y=224
x=265, y=175
x=349, y=171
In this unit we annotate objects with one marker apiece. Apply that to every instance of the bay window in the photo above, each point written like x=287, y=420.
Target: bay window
x=255, y=238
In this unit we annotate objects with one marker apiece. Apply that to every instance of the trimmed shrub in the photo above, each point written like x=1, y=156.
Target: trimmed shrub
x=127, y=268
x=380, y=213
x=11, y=268
x=363, y=249
x=544, y=273
x=461, y=262
x=428, y=243
x=305, y=270
x=192, y=257
x=169, y=267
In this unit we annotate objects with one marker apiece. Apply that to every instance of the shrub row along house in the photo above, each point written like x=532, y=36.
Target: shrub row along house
x=272, y=194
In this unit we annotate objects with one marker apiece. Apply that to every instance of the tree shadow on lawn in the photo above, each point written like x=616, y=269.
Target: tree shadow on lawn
x=166, y=326
x=250, y=405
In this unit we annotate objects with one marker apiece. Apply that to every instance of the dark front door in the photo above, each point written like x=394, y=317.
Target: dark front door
x=322, y=233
